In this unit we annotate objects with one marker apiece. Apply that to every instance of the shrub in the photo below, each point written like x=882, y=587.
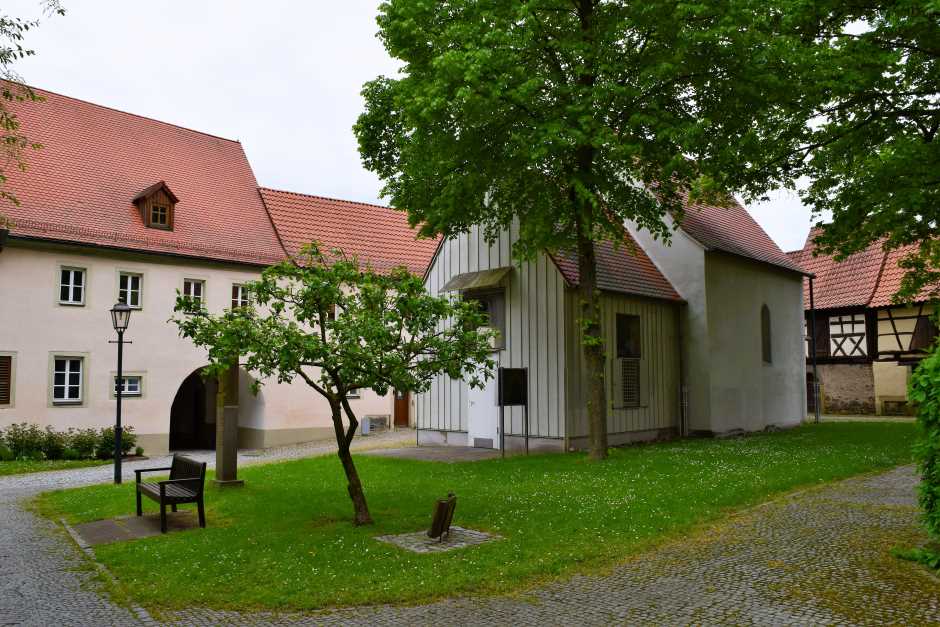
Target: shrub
x=139, y=451
x=105, y=449
x=71, y=454
x=6, y=455
x=83, y=442
x=925, y=393
x=24, y=440
x=54, y=443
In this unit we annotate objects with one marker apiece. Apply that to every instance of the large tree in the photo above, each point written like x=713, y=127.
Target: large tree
x=568, y=116
x=13, y=140
x=339, y=326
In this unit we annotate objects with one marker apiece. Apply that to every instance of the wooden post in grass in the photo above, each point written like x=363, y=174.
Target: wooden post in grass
x=226, y=429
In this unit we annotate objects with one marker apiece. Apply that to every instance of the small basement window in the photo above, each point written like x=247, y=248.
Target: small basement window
x=131, y=387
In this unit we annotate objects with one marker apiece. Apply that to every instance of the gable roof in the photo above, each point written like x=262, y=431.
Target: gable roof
x=80, y=186
x=144, y=193
x=379, y=236
x=731, y=229
x=625, y=268
x=868, y=278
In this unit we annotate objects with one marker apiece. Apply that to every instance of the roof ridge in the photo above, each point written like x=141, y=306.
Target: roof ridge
x=135, y=115
x=330, y=198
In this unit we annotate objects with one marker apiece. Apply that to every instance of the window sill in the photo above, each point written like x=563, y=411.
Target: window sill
x=67, y=403
x=68, y=304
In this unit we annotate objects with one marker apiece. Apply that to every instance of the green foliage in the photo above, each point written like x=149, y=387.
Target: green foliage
x=25, y=440
x=54, y=443
x=30, y=442
x=387, y=332
x=6, y=455
x=105, y=446
x=925, y=394
x=926, y=556
x=83, y=442
x=557, y=516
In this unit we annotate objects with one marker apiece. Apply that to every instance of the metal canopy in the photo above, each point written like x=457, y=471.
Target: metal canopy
x=477, y=280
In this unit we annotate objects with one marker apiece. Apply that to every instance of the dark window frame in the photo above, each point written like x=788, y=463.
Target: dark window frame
x=494, y=300
x=766, y=335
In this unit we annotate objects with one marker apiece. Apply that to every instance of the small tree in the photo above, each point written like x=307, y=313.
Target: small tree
x=925, y=392
x=339, y=326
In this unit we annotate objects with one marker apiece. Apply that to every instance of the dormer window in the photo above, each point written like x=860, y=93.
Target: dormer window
x=157, y=206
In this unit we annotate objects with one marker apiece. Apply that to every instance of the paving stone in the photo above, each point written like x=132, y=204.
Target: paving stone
x=458, y=538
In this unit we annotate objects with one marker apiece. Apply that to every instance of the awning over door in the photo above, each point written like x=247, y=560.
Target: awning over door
x=477, y=280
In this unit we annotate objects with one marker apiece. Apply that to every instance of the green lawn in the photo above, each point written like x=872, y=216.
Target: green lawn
x=28, y=466
x=285, y=540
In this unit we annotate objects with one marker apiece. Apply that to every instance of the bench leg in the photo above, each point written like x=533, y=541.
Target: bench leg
x=162, y=517
x=200, y=505
x=173, y=507
x=140, y=511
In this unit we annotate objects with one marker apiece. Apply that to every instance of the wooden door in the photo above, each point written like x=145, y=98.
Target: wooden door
x=401, y=408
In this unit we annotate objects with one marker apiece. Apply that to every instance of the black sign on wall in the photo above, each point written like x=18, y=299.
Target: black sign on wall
x=513, y=387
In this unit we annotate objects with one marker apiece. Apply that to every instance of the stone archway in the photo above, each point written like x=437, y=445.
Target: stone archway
x=193, y=414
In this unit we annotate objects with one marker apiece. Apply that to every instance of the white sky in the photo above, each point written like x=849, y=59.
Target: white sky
x=282, y=77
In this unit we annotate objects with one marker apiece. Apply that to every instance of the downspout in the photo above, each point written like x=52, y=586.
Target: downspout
x=683, y=389
x=812, y=351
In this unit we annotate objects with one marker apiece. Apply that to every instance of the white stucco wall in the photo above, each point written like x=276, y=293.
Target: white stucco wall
x=682, y=261
x=747, y=393
x=33, y=326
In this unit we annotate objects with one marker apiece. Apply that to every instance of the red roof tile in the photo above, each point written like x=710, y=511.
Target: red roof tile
x=866, y=279
x=379, y=236
x=732, y=230
x=625, y=268
x=80, y=186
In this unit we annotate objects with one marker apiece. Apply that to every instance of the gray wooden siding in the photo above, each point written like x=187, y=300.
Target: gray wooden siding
x=535, y=336
x=660, y=373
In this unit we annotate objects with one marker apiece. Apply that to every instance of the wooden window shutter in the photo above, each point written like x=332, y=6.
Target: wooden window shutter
x=822, y=336
x=6, y=379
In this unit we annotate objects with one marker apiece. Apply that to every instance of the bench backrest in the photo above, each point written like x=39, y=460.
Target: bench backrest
x=185, y=468
x=443, y=515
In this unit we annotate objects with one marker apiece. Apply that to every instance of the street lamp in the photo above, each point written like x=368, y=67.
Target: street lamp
x=120, y=318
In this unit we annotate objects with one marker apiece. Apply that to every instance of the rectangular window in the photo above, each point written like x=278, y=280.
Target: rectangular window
x=354, y=393
x=628, y=336
x=240, y=296
x=627, y=366
x=131, y=385
x=72, y=286
x=67, y=380
x=6, y=380
x=493, y=305
x=159, y=215
x=195, y=289
x=847, y=336
x=129, y=289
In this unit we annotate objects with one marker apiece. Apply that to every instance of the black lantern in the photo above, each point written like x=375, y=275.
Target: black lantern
x=120, y=318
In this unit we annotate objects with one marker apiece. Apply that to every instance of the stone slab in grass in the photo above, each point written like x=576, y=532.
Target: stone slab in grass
x=419, y=542
x=133, y=527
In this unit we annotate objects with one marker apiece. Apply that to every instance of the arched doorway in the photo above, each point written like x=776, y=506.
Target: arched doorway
x=192, y=416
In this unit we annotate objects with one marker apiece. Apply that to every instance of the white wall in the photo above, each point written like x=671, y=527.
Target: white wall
x=747, y=393
x=33, y=326
x=682, y=261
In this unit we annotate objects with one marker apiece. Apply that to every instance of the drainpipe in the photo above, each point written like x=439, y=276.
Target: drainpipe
x=812, y=350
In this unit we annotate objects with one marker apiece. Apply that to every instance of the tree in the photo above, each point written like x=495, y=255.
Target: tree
x=569, y=116
x=339, y=326
x=13, y=142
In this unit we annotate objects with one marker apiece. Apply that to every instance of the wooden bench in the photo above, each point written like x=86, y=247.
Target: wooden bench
x=185, y=485
x=443, y=515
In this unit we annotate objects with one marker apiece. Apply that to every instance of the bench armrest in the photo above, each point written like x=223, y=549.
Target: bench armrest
x=138, y=471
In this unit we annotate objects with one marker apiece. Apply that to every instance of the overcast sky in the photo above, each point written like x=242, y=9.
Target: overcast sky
x=282, y=77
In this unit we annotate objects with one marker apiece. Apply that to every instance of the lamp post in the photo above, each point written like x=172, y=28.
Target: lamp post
x=120, y=318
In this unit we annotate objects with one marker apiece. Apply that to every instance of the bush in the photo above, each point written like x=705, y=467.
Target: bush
x=71, y=454
x=83, y=442
x=24, y=440
x=6, y=455
x=105, y=449
x=139, y=451
x=54, y=443
x=925, y=393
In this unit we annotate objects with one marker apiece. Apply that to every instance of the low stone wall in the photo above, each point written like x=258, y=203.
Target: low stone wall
x=847, y=388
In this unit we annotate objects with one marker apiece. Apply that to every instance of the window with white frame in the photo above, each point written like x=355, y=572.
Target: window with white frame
x=354, y=393
x=240, y=296
x=67, y=379
x=130, y=288
x=131, y=387
x=847, y=336
x=195, y=289
x=72, y=286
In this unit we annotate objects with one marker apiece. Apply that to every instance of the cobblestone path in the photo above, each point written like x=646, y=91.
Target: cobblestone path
x=815, y=557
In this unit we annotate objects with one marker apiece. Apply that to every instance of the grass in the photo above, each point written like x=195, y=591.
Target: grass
x=285, y=540
x=22, y=467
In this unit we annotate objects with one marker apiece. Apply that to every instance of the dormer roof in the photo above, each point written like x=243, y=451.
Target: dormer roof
x=153, y=189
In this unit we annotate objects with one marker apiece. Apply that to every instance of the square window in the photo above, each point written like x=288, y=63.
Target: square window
x=240, y=296
x=159, y=215
x=130, y=289
x=67, y=380
x=72, y=286
x=131, y=387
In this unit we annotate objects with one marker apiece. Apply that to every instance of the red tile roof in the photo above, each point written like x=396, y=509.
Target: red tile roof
x=80, y=186
x=866, y=279
x=379, y=236
x=731, y=229
x=625, y=268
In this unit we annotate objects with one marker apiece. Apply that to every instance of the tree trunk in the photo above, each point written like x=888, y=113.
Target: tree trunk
x=592, y=345
x=354, y=487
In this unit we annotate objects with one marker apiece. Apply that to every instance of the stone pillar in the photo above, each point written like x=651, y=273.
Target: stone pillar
x=226, y=429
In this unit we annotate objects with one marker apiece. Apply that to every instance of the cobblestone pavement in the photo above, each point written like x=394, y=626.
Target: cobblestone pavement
x=46, y=581
x=815, y=557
